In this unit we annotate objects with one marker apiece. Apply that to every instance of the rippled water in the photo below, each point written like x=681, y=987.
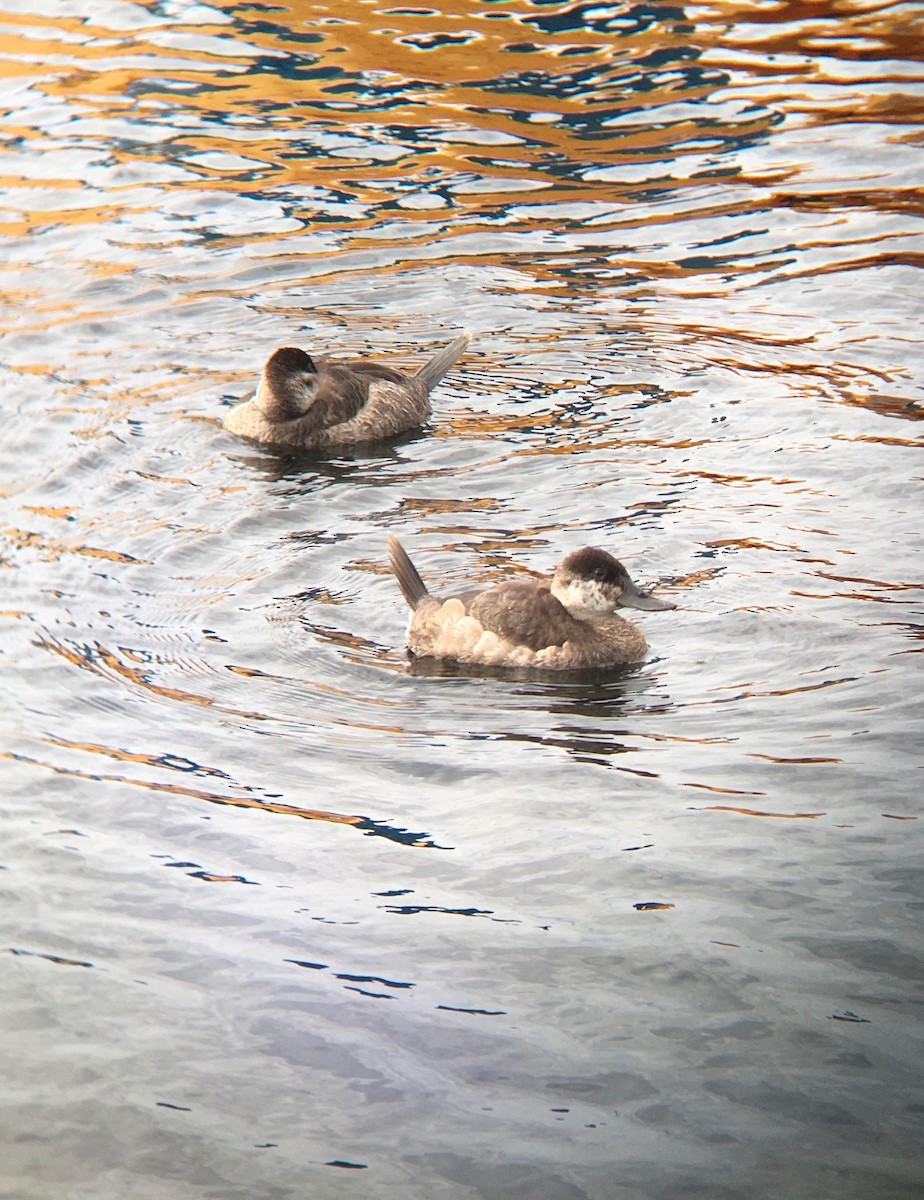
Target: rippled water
x=285, y=918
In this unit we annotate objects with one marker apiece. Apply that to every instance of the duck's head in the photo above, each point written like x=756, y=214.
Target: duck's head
x=591, y=583
x=288, y=385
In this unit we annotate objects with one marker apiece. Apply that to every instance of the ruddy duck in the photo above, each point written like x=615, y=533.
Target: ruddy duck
x=319, y=405
x=566, y=623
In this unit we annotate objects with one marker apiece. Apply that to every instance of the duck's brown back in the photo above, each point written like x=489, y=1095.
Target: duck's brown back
x=391, y=408
x=524, y=613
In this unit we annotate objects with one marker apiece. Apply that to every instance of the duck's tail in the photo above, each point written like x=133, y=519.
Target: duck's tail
x=434, y=370
x=413, y=588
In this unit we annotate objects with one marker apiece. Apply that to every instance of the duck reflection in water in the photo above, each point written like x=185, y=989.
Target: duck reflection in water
x=566, y=623
x=318, y=404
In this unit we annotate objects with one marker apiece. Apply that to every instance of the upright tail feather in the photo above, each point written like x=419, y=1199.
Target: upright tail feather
x=433, y=371
x=413, y=588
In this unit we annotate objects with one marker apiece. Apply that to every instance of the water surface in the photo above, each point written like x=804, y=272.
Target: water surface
x=288, y=918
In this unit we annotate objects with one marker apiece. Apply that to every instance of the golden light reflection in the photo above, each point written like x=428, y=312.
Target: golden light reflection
x=723, y=791
x=23, y=539
x=439, y=121
x=208, y=877
x=406, y=97
x=365, y=824
x=776, y=759
x=328, y=689
x=104, y=662
x=758, y=812
x=851, y=30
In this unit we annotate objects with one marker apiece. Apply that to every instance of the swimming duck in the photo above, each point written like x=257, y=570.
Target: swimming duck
x=316, y=404
x=566, y=623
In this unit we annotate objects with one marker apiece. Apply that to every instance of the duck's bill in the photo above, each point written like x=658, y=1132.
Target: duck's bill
x=636, y=597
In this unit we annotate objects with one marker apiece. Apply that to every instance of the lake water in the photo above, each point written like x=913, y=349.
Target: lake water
x=284, y=918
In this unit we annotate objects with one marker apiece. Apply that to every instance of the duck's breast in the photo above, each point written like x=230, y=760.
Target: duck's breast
x=246, y=420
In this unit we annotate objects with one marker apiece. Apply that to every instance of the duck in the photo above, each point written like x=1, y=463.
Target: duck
x=310, y=403
x=564, y=622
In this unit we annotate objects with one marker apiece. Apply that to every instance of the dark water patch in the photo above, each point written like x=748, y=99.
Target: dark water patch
x=52, y=958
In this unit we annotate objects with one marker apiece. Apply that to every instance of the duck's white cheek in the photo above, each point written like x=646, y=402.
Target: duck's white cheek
x=600, y=598
x=587, y=595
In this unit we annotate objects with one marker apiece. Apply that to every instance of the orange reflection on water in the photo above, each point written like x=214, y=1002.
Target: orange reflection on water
x=379, y=94
x=24, y=539
x=371, y=98
x=851, y=30
x=757, y=812
x=776, y=759
x=709, y=787
x=177, y=789
x=364, y=824
x=106, y=663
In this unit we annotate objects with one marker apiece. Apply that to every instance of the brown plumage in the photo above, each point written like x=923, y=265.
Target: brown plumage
x=312, y=404
x=564, y=623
